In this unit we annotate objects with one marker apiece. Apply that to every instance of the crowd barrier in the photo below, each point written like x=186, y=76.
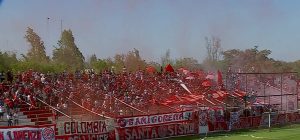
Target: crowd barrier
x=157, y=126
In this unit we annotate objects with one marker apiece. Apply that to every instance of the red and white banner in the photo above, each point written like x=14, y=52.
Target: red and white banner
x=157, y=131
x=247, y=122
x=106, y=136
x=103, y=129
x=203, y=122
x=154, y=119
x=44, y=132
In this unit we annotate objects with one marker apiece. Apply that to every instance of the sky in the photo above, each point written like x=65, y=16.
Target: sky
x=107, y=27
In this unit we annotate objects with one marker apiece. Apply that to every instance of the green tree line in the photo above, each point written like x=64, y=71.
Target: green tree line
x=68, y=57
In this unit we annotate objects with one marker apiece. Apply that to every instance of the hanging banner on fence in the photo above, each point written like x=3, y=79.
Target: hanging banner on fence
x=292, y=117
x=154, y=119
x=157, y=131
x=265, y=119
x=219, y=114
x=297, y=117
x=108, y=136
x=216, y=121
x=281, y=119
x=247, y=122
x=102, y=129
x=292, y=106
x=203, y=121
x=45, y=132
x=234, y=118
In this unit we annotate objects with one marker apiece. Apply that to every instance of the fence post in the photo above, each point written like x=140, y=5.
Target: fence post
x=270, y=119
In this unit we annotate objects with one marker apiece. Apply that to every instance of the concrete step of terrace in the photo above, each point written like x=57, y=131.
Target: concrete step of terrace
x=22, y=119
x=5, y=123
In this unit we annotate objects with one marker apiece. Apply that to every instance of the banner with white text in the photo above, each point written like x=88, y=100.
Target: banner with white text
x=158, y=131
x=81, y=130
x=154, y=119
x=44, y=132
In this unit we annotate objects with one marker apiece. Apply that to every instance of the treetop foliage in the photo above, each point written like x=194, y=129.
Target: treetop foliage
x=67, y=56
x=37, y=51
x=68, y=53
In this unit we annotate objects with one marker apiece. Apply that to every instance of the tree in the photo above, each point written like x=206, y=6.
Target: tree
x=281, y=66
x=93, y=59
x=99, y=65
x=213, y=47
x=233, y=59
x=68, y=54
x=119, y=62
x=154, y=64
x=250, y=60
x=7, y=61
x=214, y=53
x=189, y=63
x=37, y=51
x=133, y=61
x=166, y=58
x=296, y=66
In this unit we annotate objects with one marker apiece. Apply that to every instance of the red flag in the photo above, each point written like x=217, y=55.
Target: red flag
x=206, y=83
x=150, y=69
x=220, y=79
x=169, y=68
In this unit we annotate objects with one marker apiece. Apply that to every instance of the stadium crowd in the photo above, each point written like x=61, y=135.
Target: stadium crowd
x=107, y=92
x=93, y=91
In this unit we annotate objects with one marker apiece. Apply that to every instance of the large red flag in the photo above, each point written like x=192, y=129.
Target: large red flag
x=169, y=68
